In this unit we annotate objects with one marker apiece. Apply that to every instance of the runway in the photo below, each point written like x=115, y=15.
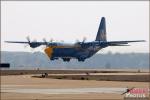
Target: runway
x=19, y=89
x=26, y=87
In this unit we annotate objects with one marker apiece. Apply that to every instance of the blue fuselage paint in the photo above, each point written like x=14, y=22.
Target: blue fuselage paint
x=74, y=52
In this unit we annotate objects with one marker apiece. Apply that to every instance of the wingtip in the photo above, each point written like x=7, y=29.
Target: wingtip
x=142, y=41
x=7, y=41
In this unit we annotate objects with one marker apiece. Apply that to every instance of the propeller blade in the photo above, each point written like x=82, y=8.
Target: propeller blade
x=51, y=40
x=77, y=41
x=28, y=38
x=44, y=40
x=84, y=39
x=25, y=46
x=29, y=42
x=34, y=40
x=62, y=40
x=46, y=43
x=32, y=50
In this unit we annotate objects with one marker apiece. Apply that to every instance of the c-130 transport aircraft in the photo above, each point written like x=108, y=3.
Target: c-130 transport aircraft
x=79, y=50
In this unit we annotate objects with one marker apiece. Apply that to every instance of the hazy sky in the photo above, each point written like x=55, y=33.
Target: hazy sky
x=69, y=21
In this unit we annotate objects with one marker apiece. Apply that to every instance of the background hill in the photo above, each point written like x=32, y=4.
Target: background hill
x=19, y=60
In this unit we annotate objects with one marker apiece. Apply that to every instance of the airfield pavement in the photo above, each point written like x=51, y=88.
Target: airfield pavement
x=27, y=87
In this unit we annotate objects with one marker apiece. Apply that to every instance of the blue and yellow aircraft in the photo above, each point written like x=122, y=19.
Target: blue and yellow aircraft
x=79, y=50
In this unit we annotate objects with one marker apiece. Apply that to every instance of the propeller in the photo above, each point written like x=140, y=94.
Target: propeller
x=34, y=40
x=28, y=38
x=25, y=46
x=78, y=43
x=62, y=41
x=29, y=42
x=84, y=39
x=51, y=40
x=82, y=43
x=46, y=43
x=33, y=44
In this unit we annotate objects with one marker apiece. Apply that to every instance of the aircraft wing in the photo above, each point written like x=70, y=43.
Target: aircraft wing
x=124, y=42
x=115, y=43
x=16, y=42
x=41, y=43
x=33, y=44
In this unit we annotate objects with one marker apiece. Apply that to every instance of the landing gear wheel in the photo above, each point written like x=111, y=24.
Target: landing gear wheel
x=66, y=59
x=81, y=59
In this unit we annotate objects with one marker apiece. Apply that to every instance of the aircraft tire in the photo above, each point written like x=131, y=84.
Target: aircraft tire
x=81, y=59
x=66, y=59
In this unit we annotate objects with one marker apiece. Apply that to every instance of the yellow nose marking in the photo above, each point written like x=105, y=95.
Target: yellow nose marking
x=49, y=51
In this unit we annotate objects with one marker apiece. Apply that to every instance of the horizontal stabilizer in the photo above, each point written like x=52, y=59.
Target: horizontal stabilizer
x=41, y=43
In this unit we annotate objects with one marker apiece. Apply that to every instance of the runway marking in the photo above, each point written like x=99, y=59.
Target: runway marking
x=63, y=91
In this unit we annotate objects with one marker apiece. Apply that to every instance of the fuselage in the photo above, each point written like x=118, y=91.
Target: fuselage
x=68, y=51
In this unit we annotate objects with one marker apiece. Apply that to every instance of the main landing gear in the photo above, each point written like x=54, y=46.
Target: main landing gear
x=81, y=59
x=66, y=59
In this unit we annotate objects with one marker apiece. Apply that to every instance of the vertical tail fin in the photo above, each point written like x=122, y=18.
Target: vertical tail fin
x=101, y=34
